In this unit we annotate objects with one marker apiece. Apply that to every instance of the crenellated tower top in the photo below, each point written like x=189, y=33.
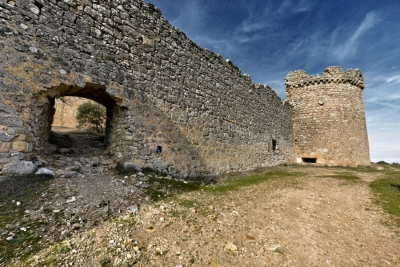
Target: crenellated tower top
x=333, y=74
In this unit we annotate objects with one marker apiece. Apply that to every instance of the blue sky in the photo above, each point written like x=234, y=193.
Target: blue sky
x=269, y=38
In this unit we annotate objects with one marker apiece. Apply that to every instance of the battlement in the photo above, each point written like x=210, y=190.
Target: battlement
x=333, y=74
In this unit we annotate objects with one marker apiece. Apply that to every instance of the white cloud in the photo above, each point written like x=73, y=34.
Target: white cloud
x=383, y=130
x=250, y=26
x=191, y=15
x=382, y=88
x=395, y=78
x=272, y=16
x=350, y=46
x=291, y=7
x=385, y=144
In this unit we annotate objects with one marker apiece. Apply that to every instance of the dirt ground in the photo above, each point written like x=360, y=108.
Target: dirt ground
x=294, y=216
x=311, y=218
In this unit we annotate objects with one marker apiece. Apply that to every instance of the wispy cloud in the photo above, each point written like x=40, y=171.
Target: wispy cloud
x=272, y=15
x=191, y=16
x=249, y=25
x=395, y=78
x=349, y=47
x=290, y=7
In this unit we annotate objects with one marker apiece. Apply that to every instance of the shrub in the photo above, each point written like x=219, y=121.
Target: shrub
x=91, y=116
x=382, y=162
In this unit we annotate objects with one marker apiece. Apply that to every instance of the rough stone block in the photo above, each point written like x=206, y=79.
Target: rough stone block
x=45, y=171
x=21, y=137
x=11, y=120
x=4, y=147
x=20, y=146
x=19, y=168
x=6, y=109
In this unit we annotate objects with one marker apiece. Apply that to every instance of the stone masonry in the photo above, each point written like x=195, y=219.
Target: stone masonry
x=328, y=117
x=160, y=89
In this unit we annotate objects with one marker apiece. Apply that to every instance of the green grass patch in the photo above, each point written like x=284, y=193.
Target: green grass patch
x=162, y=188
x=387, y=191
x=373, y=168
x=12, y=218
x=348, y=177
x=236, y=182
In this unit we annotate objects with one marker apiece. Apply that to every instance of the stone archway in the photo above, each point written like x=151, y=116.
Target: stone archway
x=45, y=109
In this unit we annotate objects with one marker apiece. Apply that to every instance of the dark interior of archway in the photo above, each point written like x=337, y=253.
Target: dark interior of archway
x=75, y=138
x=91, y=91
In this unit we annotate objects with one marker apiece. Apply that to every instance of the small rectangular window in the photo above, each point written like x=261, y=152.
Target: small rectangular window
x=274, y=144
x=309, y=160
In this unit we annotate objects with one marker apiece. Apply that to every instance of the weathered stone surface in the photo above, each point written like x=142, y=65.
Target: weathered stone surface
x=45, y=171
x=10, y=157
x=11, y=120
x=22, y=167
x=160, y=89
x=4, y=147
x=328, y=117
x=6, y=108
x=131, y=166
x=20, y=146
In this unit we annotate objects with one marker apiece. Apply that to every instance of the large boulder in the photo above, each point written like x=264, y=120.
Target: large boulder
x=22, y=167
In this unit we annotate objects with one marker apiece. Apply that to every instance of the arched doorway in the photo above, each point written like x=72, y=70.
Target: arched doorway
x=46, y=109
x=78, y=123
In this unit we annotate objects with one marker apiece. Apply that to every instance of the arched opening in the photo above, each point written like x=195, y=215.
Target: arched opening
x=66, y=99
x=78, y=122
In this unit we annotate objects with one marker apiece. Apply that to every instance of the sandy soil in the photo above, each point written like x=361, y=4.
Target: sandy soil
x=311, y=218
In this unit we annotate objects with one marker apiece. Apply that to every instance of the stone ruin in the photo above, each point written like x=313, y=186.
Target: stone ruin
x=328, y=117
x=172, y=106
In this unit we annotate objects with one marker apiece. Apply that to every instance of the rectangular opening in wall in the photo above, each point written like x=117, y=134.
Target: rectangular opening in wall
x=309, y=160
x=274, y=144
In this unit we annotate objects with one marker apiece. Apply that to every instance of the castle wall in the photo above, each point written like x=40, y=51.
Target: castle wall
x=328, y=117
x=159, y=88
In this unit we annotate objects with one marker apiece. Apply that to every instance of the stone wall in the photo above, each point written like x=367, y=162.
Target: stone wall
x=67, y=109
x=159, y=88
x=328, y=117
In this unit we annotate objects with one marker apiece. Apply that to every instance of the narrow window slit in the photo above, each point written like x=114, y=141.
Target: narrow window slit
x=309, y=160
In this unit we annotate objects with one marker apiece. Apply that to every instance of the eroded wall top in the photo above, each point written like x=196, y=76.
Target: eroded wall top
x=331, y=74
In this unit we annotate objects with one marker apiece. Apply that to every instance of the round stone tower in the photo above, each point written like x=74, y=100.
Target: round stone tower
x=328, y=117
